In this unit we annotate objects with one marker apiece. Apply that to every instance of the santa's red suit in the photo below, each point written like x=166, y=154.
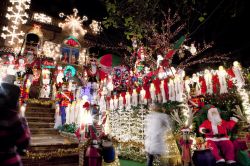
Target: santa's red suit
x=215, y=130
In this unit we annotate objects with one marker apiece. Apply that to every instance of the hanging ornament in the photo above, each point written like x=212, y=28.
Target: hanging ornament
x=159, y=60
x=192, y=49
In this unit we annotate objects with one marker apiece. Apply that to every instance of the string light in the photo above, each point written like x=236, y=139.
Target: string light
x=245, y=100
x=127, y=129
x=13, y=34
x=96, y=27
x=51, y=50
x=214, y=59
x=43, y=18
x=16, y=15
x=73, y=23
x=83, y=58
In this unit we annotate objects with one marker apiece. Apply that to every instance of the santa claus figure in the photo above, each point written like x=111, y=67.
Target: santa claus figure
x=93, y=69
x=215, y=130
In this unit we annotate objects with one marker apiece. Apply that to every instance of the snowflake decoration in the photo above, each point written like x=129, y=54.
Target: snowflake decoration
x=13, y=34
x=16, y=15
x=73, y=23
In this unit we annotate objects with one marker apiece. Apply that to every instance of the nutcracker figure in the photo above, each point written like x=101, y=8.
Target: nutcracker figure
x=65, y=97
x=197, y=101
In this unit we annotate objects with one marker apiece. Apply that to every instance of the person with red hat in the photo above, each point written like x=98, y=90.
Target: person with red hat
x=215, y=130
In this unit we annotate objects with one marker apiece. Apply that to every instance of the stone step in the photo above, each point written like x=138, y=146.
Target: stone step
x=39, y=105
x=69, y=160
x=36, y=131
x=39, y=114
x=42, y=148
x=40, y=125
x=31, y=119
x=40, y=109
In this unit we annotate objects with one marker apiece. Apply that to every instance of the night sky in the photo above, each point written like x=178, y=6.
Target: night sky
x=94, y=9
x=226, y=27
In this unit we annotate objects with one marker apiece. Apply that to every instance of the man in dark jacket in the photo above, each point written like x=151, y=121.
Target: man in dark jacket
x=14, y=131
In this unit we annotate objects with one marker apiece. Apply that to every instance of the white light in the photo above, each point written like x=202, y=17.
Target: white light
x=43, y=18
x=193, y=50
x=96, y=27
x=51, y=50
x=16, y=15
x=245, y=100
x=83, y=58
x=23, y=109
x=73, y=23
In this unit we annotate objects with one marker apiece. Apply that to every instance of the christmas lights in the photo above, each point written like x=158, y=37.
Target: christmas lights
x=43, y=18
x=245, y=100
x=73, y=23
x=51, y=50
x=83, y=58
x=96, y=27
x=12, y=34
x=16, y=15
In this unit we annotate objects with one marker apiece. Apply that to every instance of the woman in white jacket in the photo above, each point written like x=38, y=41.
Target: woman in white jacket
x=156, y=126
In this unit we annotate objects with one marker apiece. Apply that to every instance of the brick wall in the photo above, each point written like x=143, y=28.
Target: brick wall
x=243, y=134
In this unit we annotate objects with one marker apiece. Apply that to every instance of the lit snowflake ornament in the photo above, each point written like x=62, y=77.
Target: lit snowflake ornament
x=16, y=13
x=12, y=34
x=73, y=23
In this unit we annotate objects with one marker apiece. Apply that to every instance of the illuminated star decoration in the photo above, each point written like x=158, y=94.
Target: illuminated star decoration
x=16, y=15
x=73, y=23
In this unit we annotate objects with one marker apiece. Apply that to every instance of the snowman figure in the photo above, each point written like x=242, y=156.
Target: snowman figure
x=45, y=91
x=60, y=75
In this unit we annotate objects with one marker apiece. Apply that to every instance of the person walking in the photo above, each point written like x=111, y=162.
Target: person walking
x=156, y=126
x=14, y=131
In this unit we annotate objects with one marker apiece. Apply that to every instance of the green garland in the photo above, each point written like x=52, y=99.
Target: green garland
x=40, y=102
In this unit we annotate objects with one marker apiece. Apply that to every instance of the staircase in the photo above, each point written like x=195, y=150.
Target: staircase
x=46, y=142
